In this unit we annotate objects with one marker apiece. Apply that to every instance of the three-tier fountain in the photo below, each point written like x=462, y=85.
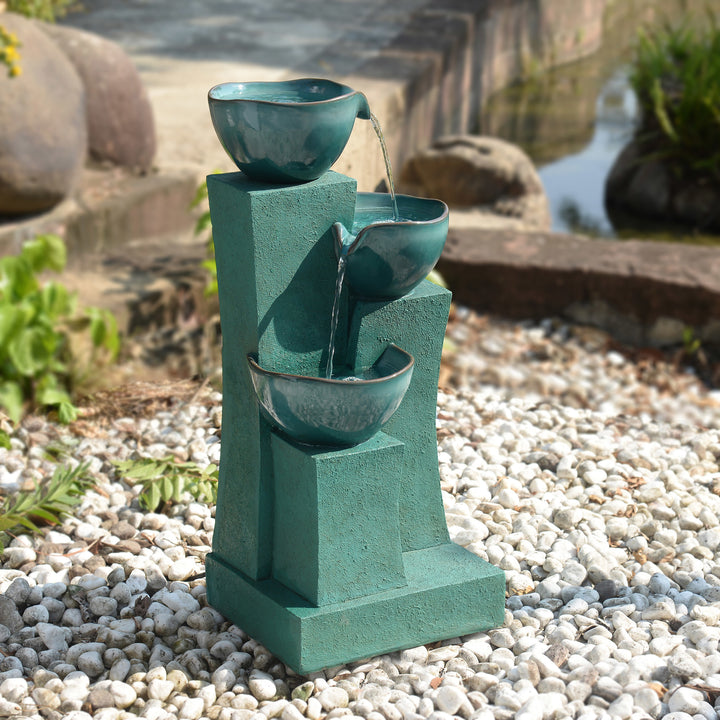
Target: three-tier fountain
x=330, y=540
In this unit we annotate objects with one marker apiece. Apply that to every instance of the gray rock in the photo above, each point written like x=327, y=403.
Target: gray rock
x=91, y=663
x=120, y=124
x=43, y=133
x=472, y=171
x=36, y=614
x=9, y=615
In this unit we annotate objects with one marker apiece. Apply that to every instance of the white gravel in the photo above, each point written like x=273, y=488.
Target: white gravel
x=593, y=481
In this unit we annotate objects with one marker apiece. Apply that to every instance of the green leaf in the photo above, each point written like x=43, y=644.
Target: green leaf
x=11, y=321
x=67, y=413
x=11, y=398
x=5, y=440
x=166, y=488
x=143, y=470
x=17, y=279
x=48, y=392
x=30, y=351
x=45, y=252
x=56, y=300
x=150, y=498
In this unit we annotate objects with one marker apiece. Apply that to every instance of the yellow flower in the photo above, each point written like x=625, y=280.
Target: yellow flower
x=11, y=54
x=15, y=70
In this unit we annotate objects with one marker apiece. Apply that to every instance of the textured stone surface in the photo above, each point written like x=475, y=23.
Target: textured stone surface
x=42, y=124
x=643, y=292
x=485, y=173
x=332, y=583
x=120, y=123
x=265, y=266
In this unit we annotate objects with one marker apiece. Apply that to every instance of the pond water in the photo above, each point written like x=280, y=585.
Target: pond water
x=575, y=183
x=573, y=122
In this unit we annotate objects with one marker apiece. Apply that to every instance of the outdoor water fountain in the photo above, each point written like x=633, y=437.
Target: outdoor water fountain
x=330, y=540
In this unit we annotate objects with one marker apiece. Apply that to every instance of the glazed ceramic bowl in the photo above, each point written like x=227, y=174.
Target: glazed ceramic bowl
x=388, y=258
x=285, y=132
x=320, y=411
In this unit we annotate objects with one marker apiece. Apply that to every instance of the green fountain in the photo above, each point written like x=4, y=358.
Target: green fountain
x=330, y=540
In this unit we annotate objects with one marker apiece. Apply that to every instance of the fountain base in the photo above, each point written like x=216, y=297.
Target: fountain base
x=449, y=592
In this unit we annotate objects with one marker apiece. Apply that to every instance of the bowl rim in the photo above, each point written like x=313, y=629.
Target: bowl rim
x=347, y=92
x=256, y=367
x=445, y=210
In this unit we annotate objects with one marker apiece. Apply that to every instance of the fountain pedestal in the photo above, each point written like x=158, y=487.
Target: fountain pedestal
x=327, y=555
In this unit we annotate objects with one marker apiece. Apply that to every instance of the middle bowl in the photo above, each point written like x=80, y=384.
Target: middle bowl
x=339, y=412
x=388, y=257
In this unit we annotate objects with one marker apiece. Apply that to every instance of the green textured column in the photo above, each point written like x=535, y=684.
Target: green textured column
x=339, y=536
x=276, y=276
x=416, y=323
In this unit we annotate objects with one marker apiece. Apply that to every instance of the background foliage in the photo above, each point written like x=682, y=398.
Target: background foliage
x=676, y=76
x=41, y=333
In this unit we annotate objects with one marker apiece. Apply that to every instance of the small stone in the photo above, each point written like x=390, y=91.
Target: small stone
x=558, y=654
x=183, y=568
x=449, y=699
x=262, y=686
x=54, y=637
x=621, y=707
x=304, y=691
x=683, y=666
x=191, y=709
x=100, y=606
x=158, y=689
x=35, y=614
x=686, y=700
x=333, y=697
x=14, y=689
x=91, y=662
x=659, y=584
x=101, y=697
x=119, y=670
x=290, y=712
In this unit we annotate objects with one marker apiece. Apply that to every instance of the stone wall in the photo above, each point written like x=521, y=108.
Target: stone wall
x=434, y=77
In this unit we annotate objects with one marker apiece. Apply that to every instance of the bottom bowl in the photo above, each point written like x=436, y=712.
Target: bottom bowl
x=333, y=411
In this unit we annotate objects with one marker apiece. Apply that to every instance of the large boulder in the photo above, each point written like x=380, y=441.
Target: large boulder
x=643, y=184
x=43, y=135
x=121, y=128
x=487, y=176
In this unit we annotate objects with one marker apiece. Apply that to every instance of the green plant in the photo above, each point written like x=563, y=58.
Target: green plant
x=46, y=503
x=9, y=54
x=165, y=480
x=676, y=76
x=691, y=343
x=204, y=224
x=40, y=331
x=48, y=10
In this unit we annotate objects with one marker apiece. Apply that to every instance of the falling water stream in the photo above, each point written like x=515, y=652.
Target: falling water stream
x=342, y=259
x=388, y=166
x=342, y=264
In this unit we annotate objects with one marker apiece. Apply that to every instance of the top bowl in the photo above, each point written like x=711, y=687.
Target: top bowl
x=285, y=132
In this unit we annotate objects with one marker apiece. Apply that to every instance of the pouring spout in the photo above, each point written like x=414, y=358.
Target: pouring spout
x=363, y=107
x=343, y=239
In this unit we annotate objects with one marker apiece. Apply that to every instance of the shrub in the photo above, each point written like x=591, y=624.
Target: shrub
x=41, y=331
x=676, y=76
x=48, y=10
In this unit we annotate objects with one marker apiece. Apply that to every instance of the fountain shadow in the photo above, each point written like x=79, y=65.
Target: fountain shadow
x=294, y=334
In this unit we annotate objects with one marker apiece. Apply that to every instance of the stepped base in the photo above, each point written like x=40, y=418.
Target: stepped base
x=449, y=592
